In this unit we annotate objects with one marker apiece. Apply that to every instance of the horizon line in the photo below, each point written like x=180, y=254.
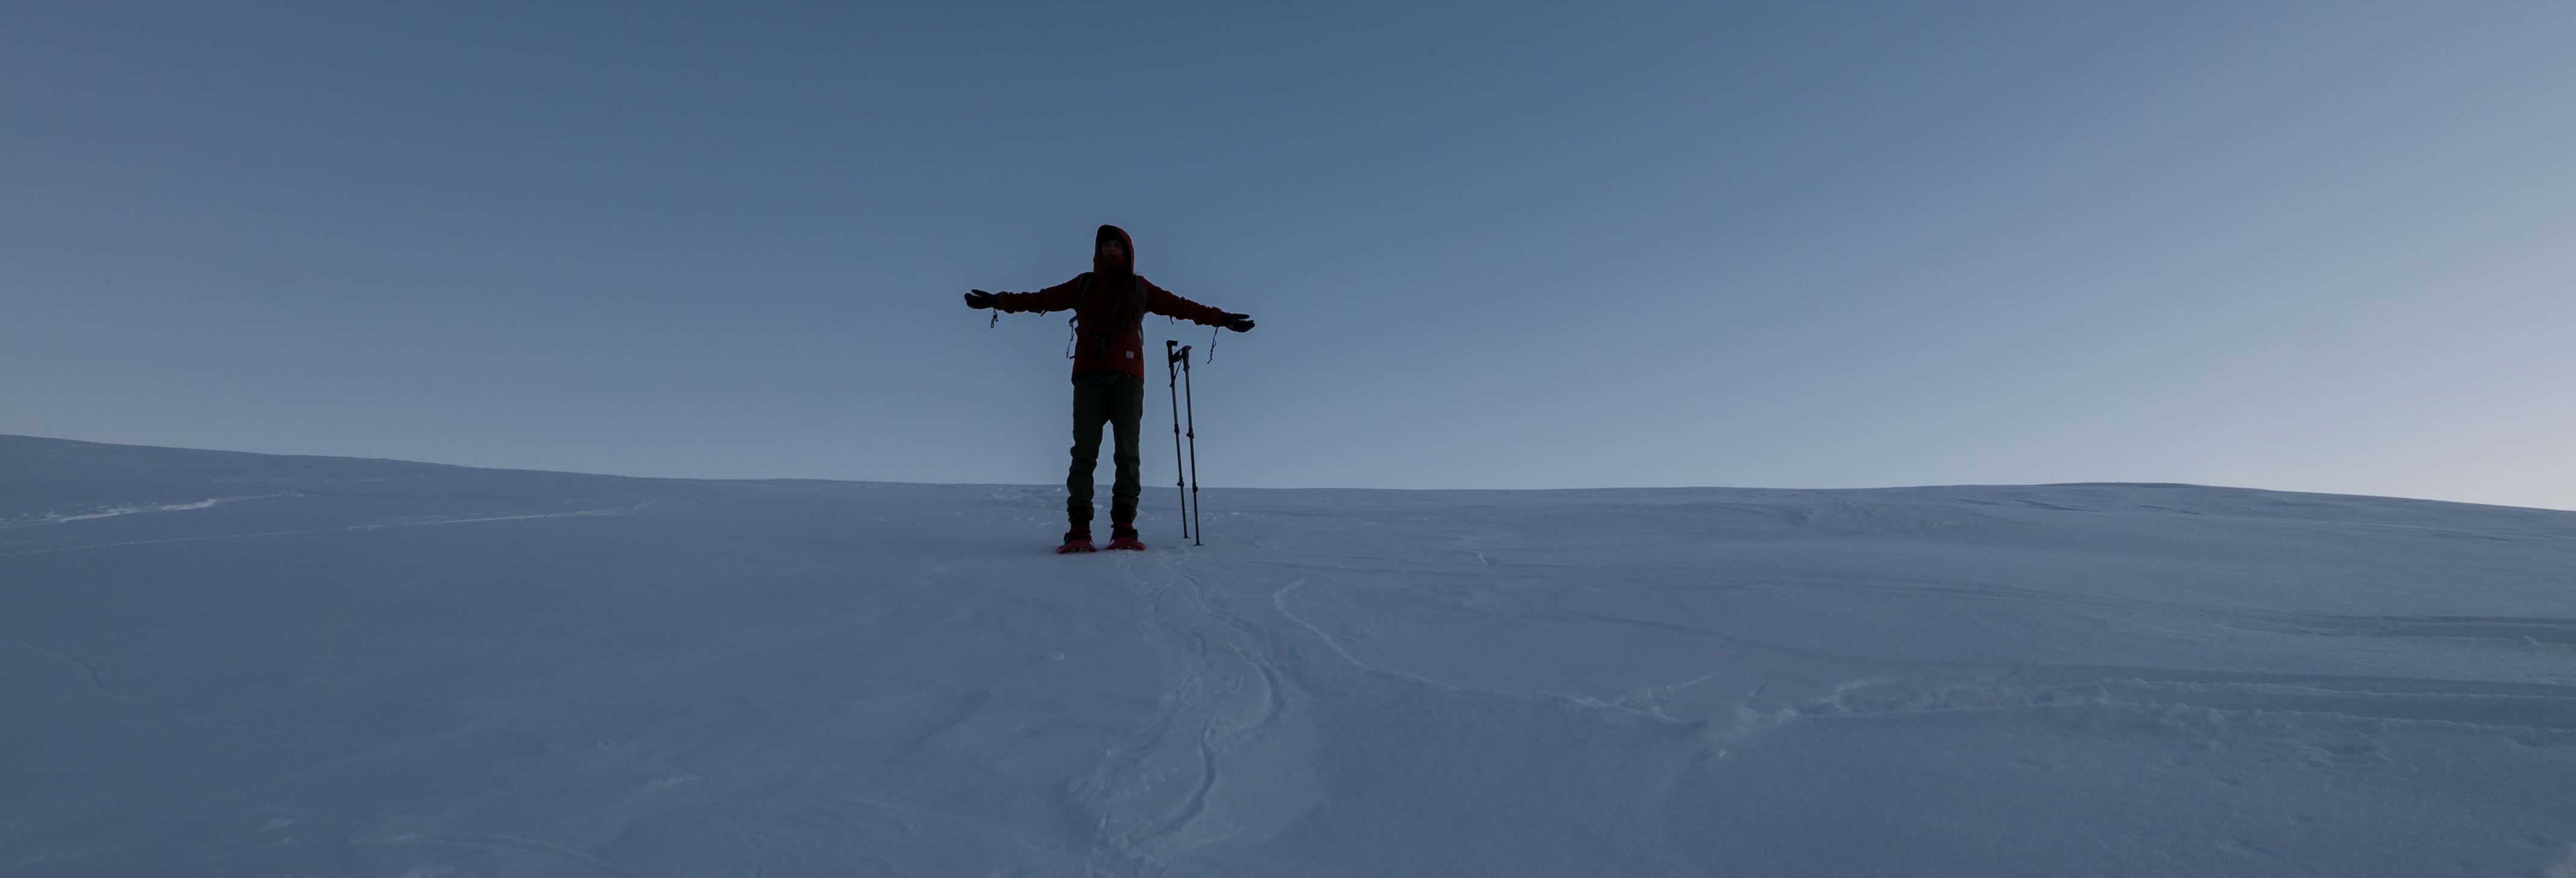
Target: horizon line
x=1628, y=488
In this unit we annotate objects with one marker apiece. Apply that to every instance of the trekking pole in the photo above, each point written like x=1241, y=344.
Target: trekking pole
x=1198, y=516
x=1172, y=382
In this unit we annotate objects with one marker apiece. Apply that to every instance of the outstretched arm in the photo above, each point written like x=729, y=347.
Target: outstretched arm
x=1054, y=298
x=1166, y=302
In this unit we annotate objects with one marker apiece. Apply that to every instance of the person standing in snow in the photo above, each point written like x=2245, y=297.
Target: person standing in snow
x=1109, y=303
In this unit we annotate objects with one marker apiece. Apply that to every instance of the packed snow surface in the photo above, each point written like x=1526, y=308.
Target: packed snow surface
x=221, y=664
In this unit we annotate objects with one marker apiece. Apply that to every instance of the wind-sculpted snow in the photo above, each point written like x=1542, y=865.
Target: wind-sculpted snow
x=114, y=511
x=223, y=664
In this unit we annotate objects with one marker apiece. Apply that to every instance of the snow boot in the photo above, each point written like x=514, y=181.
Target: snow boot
x=1076, y=540
x=1124, y=537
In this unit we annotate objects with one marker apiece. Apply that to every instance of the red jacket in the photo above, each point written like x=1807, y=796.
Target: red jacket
x=1109, y=304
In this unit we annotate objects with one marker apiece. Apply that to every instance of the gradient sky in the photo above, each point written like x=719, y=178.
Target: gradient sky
x=2307, y=246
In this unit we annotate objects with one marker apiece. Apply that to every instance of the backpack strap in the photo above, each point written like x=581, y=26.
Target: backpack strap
x=1079, y=294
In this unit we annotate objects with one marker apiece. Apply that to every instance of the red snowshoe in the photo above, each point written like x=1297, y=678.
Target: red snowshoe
x=1077, y=540
x=1125, y=538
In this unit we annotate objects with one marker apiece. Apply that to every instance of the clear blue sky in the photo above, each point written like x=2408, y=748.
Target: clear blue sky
x=2312, y=246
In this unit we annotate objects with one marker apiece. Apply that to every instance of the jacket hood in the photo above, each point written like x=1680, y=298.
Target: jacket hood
x=1113, y=233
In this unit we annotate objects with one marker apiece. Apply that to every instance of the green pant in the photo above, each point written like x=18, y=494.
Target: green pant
x=1118, y=399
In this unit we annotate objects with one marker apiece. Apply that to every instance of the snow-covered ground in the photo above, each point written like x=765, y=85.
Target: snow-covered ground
x=222, y=664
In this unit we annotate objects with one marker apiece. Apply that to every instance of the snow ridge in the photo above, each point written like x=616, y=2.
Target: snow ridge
x=136, y=509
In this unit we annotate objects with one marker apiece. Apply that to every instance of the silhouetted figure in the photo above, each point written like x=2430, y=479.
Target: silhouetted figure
x=1109, y=303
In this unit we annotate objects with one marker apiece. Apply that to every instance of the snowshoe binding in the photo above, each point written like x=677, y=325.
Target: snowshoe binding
x=1124, y=538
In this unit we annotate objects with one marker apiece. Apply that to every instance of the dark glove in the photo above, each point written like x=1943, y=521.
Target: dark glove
x=1237, y=322
x=979, y=299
